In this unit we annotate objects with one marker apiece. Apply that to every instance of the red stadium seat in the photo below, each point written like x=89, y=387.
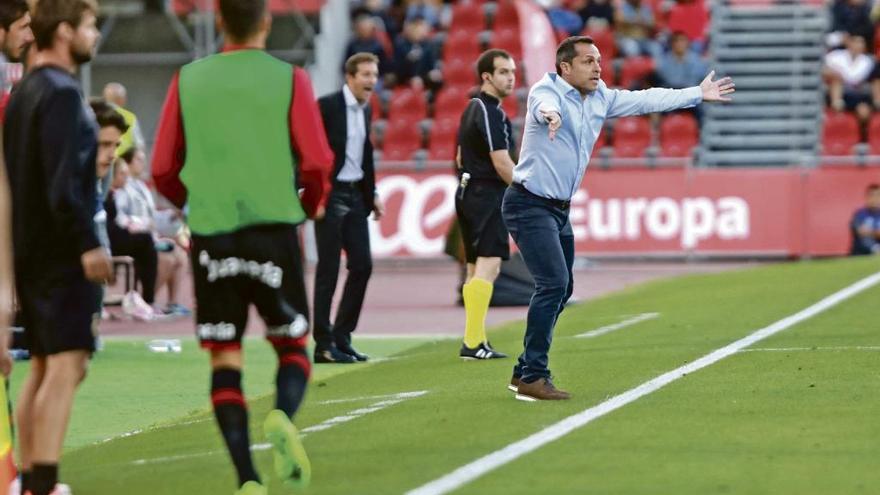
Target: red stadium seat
x=604, y=39
x=508, y=39
x=510, y=105
x=679, y=134
x=459, y=72
x=601, y=142
x=634, y=72
x=468, y=16
x=402, y=140
x=506, y=16
x=451, y=102
x=444, y=134
x=632, y=136
x=376, y=105
x=874, y=134
x=462, y=44
x=408, y=105
x=608, y=74
x=877, y=40
x=840, y=133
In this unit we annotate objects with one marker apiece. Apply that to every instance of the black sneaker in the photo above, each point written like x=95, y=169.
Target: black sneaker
x=332, y=355
x=479, y=352
x=348, y=349
x=499, y=354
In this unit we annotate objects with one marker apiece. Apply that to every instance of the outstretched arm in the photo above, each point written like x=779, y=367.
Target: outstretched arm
x=622, y=103
x=717, y=90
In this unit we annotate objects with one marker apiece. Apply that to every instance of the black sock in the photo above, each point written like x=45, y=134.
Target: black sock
x=294, y=368
x=25, y=481
x=43, y=478
x=230, y=410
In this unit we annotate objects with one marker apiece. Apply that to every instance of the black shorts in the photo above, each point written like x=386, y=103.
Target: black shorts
x=479, y=214
x=259, y=265
x=60, y=310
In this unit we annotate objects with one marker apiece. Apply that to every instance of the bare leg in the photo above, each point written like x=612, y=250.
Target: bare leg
x=24, y=412
x=53, y=402
x=165, y=272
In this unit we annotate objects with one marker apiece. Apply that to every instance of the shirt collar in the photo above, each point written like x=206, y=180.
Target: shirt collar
x=561, y=85
x=350, y=100
x=490, y=99
x=232, y=47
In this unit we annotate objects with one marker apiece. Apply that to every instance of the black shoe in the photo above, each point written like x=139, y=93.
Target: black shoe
x=498, y=354
x=479, y=352
x=348, y=349
x=332, y=355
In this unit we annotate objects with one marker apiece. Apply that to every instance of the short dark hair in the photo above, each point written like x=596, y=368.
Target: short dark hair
x=486, y=62
x=566, y=50
x=351, y=65
x=128, y=156
x=49, y=14
x=872, y=187
x=241, y=18
x=106, y=115
x=11, y=11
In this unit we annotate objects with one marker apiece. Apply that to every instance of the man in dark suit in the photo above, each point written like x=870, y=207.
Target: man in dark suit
x=346, y=117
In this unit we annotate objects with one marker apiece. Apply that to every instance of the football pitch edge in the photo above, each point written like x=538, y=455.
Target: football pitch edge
x=474, y=470
x=410, y=423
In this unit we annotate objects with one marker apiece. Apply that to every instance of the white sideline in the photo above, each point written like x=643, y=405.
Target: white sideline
x=617, y=326
x=391, y=400
x=837, y=348
x=485, y=464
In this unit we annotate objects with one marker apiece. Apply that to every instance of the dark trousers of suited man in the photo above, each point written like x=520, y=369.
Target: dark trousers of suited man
x=343, y=227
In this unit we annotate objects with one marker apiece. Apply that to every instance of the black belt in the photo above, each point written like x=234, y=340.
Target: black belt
x=557, y=203
x=352, y=185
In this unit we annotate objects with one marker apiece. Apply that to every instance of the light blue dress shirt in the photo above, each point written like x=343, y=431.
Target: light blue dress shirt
x=554, y=169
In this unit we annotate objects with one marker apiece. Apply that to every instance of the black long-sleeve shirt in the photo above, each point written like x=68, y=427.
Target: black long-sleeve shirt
x=51, y=144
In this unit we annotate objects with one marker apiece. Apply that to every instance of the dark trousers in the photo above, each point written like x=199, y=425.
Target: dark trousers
x=142, y=249
x=343, y=227
x=545, y=239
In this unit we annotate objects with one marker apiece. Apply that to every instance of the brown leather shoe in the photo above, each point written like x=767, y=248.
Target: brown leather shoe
x=540, y=389
x=514, y=384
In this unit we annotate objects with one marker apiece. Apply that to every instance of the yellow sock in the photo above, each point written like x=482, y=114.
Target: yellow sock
x=476, y=294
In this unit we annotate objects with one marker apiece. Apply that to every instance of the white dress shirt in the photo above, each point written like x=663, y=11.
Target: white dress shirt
x=352, y=170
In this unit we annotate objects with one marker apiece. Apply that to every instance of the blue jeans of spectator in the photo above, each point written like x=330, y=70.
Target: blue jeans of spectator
x=543, y=234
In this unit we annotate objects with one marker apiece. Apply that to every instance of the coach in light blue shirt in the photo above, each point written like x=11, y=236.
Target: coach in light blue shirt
x=566, y=111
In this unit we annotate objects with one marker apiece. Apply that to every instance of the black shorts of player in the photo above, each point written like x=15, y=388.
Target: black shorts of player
x=479, y=214
x=59, y=309
x=259, y=265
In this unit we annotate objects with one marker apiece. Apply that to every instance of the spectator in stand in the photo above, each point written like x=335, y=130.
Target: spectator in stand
x=381, y=13
x=597, y=14
x=366, y=40
x=135, y=205
x=429, y=10
x=562, y=18
x=414, y=55
x=680, y=67
x=847, y=71
x=850, y=17
x=865, y=224
x=133, y=238
x=635, y=28
x=116, y=94
x=691, y=18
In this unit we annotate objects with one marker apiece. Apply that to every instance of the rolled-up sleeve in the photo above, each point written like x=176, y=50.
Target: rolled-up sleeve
x=622, y=103
x=543, y=99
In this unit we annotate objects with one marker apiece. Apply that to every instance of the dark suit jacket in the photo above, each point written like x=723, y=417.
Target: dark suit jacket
x=335, y=114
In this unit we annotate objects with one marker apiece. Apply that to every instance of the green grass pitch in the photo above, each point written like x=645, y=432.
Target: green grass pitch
x=796, y=414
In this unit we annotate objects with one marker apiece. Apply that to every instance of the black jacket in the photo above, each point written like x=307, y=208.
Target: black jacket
x=50, y=140
x=334, y=114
